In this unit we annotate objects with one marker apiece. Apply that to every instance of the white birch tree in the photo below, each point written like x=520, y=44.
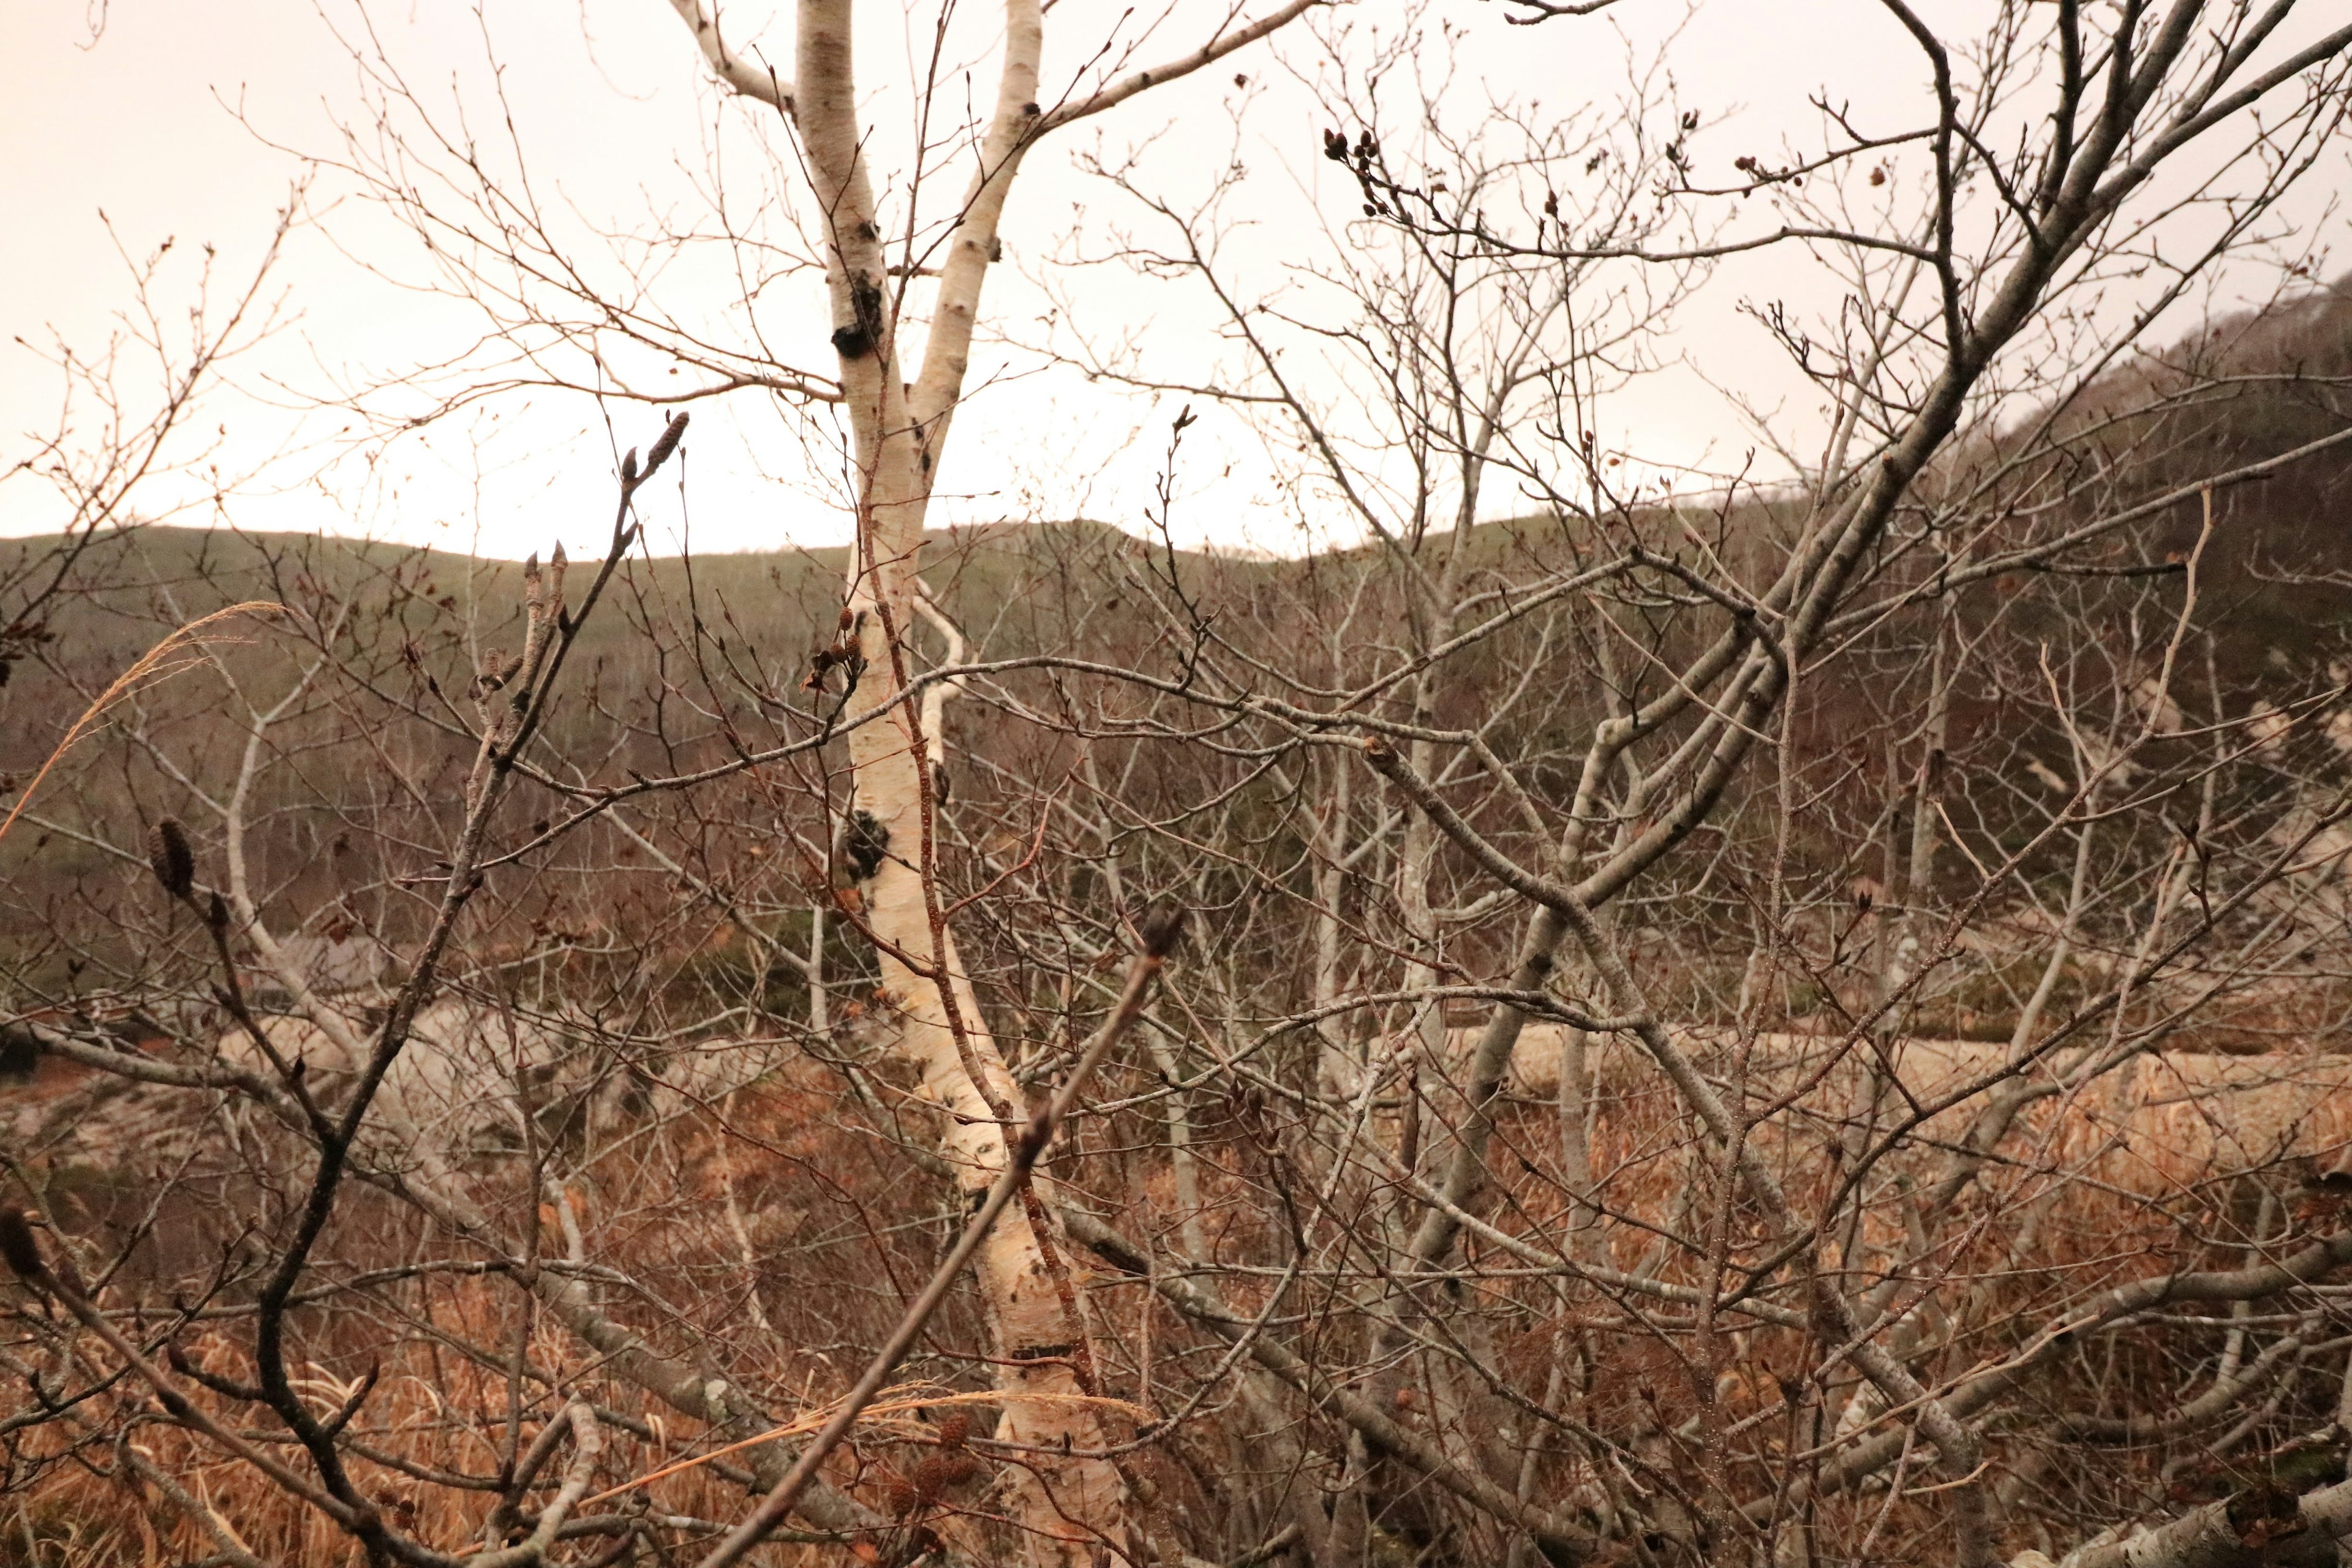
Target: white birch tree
x=900, y=403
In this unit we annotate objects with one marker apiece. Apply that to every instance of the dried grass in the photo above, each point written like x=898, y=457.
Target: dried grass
x=149, y=668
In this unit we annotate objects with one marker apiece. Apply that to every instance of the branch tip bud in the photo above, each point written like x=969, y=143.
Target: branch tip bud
x=18, y=1249
x=171, y=858
x=1162, y=929
x=667, y=442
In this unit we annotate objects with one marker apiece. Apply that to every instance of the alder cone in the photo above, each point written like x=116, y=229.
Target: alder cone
x=946, y=1468
x=902, y=1495
x=955, y=1428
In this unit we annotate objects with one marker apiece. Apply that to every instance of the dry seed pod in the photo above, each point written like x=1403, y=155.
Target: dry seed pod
x=955, y=1428
x=168, y=854
x=932, y=1477
x=901, y=1495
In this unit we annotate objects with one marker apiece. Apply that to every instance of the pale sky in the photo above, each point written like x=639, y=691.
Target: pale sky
x=616, y=122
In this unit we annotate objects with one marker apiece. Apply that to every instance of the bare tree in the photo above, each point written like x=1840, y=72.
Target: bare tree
x=1769, y=1025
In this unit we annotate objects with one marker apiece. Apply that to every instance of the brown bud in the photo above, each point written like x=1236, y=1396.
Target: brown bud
x=667, y=442
x=174, y=862
x=1162, y=929
x=18, y=1249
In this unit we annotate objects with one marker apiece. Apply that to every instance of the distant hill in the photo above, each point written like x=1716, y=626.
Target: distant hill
x=2275, y=588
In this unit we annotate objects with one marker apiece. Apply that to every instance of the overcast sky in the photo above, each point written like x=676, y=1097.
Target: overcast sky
x=188, y=121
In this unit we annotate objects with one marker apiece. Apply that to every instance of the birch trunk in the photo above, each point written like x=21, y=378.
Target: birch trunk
x=1069, y=1503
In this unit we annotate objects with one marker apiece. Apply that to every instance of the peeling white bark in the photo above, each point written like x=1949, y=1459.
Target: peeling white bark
x=1071, y=1505
x=1067, y=1502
